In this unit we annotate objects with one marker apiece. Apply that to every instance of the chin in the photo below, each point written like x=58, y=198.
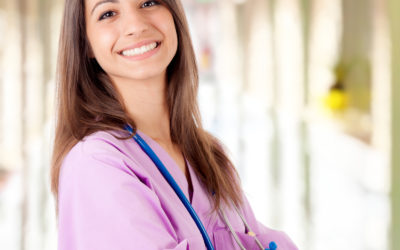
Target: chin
x=146, y=75
x=152, y=71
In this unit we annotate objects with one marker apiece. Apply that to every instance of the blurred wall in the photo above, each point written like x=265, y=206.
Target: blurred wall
x=29, y=42
x=394, y=6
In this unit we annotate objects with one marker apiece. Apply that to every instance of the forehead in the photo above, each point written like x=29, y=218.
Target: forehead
x=89, y=3
x=92, y=4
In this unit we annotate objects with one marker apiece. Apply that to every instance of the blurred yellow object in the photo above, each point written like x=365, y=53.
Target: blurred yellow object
x=205, y=59
x=336, y=100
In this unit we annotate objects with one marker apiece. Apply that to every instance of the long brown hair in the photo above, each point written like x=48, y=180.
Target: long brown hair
x=88, y=102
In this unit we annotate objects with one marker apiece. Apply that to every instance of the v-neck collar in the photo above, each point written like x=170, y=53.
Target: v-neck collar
x=200, y=200
x=172, y=166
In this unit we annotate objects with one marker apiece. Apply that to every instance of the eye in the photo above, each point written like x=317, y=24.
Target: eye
x=150, y=3
x=107, y=14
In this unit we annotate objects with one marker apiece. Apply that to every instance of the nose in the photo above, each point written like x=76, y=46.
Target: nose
x=134, y=23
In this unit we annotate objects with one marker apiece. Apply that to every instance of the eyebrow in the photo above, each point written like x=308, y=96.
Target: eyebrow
x=102, y=2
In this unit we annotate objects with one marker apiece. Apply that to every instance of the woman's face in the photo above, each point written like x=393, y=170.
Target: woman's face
x=131, y=39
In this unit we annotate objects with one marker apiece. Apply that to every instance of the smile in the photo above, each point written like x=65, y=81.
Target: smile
x=141, y=50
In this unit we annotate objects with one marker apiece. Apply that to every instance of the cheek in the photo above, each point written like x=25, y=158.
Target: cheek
x=169, y=30
x=166, y=24
x=101, y=41
x=174, y=40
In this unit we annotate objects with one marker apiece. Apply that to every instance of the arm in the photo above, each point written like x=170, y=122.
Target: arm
x=104, y=206
x=264, y=233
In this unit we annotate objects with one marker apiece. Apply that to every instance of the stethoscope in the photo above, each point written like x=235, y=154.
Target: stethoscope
x=171, y=181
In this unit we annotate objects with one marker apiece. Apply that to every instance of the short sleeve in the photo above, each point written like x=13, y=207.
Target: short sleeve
x=102, y=205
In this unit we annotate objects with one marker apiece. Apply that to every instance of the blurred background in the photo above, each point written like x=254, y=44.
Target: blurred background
x=304, y=93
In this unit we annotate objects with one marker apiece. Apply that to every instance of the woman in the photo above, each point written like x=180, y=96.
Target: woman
x=127, y=67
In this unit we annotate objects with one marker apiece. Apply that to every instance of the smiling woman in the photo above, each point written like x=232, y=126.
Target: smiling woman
x=122, y=34
x=129, y=64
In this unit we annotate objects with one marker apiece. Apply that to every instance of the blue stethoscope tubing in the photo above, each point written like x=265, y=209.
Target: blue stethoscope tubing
x=147, y=149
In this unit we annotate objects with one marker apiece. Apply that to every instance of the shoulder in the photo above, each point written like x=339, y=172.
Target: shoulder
x=97, y=152
x=101, y=144
x=102, y=159
x=98, y=143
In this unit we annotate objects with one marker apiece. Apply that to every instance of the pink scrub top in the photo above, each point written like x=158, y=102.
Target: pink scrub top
x=113, y=197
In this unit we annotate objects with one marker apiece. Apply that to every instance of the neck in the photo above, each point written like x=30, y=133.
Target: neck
x=146, y=104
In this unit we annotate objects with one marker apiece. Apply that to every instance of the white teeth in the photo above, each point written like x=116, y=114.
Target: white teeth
x=139, y=51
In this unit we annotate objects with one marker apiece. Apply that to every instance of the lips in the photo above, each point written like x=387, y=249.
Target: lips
x=140, y=45
x=140, y=50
